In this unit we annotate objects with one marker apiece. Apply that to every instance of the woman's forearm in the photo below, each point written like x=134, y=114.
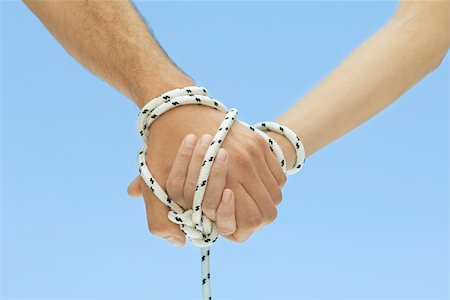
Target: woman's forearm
x=409, y=47
x=112, y=41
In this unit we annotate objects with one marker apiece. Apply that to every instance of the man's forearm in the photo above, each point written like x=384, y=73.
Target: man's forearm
x=410, y=46
x=112, y=41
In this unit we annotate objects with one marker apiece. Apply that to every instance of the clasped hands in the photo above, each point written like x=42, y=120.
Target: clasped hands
x=245, y=182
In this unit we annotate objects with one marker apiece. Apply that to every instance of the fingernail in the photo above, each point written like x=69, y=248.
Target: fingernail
x=205, y=140
x=175, y=241
x=222, y=155
x=189, y=140
x=227, y=196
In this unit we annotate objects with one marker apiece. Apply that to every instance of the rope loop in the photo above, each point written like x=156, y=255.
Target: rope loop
x=202, y=231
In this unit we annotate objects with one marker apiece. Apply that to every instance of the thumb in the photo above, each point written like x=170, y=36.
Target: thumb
x=157, y=220
x=134, y=188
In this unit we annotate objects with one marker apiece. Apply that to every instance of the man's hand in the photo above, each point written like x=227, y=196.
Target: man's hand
x=254, y=174
x=119, y=48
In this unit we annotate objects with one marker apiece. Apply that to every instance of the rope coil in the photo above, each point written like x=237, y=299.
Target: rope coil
x=202, y=231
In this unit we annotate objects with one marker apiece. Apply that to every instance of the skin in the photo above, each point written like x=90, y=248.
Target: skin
x=186, y=168
x=410, y=46
x=353, y=92
x=112, y=41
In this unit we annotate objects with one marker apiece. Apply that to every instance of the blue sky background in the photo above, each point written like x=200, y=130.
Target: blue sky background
x=366, y=218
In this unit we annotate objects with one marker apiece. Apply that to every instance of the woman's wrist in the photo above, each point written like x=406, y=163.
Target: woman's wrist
x=286, y=146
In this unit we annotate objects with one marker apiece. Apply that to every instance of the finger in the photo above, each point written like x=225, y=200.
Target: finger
x=248, y=217
x=262, y=199
x=178, y=173
x=194, y=167
x=134, y=188
x=275, y=167
x=226, y=219
x=157, y=220
x=216, y=185
x=268, y=180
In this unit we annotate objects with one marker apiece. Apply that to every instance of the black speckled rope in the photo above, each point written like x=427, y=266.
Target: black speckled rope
x=202, y=231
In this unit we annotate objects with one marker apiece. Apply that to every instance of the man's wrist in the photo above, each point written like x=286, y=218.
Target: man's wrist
x=153, y=88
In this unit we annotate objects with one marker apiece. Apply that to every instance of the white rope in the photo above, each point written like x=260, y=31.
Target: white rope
x=201, y=230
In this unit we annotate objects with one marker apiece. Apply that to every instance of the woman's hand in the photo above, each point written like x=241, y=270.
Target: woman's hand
x=183, y=176
x=218, y=202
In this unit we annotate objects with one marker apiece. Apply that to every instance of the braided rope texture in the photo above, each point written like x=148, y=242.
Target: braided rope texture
x=202, y=231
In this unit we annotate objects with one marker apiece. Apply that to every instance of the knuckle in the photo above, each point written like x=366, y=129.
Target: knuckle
x=283, y=178
x=278, y=197
x=240, y=237
x=225, y=230
x=270, y=215
x=254, y=221
x=217, y=170
x=174, y=184
x=185, y=154
x=198, y=154
x=209, y=210
x=253, y=149
x=261, y=141
x=157, y=229
x=189, y=190
x=243, y=159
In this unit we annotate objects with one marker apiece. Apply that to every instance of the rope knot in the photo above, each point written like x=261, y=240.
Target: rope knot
x=201, y=235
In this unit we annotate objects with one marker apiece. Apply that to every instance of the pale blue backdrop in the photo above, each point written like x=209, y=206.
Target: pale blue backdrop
x=366, y=218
